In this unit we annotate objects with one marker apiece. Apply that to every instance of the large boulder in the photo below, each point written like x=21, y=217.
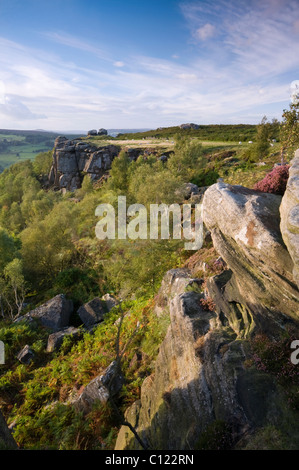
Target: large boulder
x=54, y=314
x=92, y=312
x=244, y=226
x=289, y=211
x=102, y=131
x=101, y=388
x=55, y=340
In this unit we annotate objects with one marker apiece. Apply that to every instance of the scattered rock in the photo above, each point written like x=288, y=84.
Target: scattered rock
x=55, y=340
x=101, y=389
x=102, y=132
x=92, y=312
x=189, y=190
x=26, y=355
x=54, y=314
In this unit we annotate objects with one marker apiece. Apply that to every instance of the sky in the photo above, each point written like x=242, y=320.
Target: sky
x=76, y=65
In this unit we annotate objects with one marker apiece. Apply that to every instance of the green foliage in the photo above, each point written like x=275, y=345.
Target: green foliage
x=119, y=173
x=289, y=131
x=38, y=392
x=206, y=177
x=42, y=163
x=187, y=156
x=212, y=132
x=274, y=357
x=217, y=436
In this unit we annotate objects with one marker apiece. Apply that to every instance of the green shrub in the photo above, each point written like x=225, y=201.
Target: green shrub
x=217, y=436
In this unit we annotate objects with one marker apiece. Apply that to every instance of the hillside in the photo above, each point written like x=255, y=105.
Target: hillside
x=20, y=145
x=188, y=348
x=210, y=132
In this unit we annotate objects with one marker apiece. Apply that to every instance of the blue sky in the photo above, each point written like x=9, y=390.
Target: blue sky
x=78, y=65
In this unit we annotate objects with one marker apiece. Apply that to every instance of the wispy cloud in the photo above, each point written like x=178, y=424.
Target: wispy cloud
x=257, y=38
x=76, y=43
x=243, y=54
x=206, y=31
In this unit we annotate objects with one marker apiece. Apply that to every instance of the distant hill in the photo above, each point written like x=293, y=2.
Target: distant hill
x=210, y=132
x=19, y=145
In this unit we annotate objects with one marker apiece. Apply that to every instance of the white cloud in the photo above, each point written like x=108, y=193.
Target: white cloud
x=205, y=32
x=119, y=63
x=146, y=91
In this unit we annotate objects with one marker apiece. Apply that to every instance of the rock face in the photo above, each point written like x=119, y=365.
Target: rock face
x=199, y=378
x=259, y=289
x=54, y=314
x=289, y=211
x=201, y=374
x=74, y=158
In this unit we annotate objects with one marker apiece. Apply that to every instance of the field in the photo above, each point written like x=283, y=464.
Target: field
x=17, y=146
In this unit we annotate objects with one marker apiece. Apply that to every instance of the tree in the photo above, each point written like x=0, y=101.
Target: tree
x=7, y=249
x=16, y=287
x=119, y=173
x=187, y=156
x=289, y=130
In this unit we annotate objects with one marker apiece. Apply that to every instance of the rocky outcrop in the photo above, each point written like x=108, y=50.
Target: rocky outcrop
x=72, y=159
x=190, y=126
x=289, y=211
x=259, y=289
x=202, y=375
x=200, y=378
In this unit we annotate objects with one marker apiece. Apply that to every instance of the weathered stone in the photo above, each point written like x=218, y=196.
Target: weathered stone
x=289, y=211
x=102, y=132
x=244, y=225
x=94, y=164
x=92, y=132
x=110, y=301
x=73, y=158
x=199, y=379
x=55, y=340
x=100, y=389
x=189, y=189
x=26, y=355
x=175, y=282
x=92, y=312
x=54, y=314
